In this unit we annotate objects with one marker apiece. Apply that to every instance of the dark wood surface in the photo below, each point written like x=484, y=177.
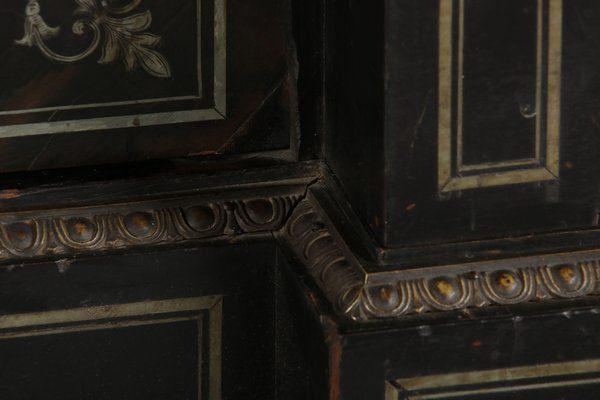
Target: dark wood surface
x=259, y=99
x=385, y=114
x=154, y=361
x=487, y=344
x=339, y=278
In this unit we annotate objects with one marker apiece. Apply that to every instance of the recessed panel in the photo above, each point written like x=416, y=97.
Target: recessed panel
x=154, y=362
x=91, y=65
x=567, y=381
x=499, y=72
x=151, y=350
x=498, y=92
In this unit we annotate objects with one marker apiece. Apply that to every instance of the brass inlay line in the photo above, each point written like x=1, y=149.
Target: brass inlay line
x=82, y=320
x=539, y=60
x=510, y=376
x=93, y=327
x=199, y=47
x=220, y=57
x=532, y=170
x=460, y=84
x=499, y=179
x=96, y=105
x=215, y=335
x=445, y=94
x=126, y=121
x=104, y=312
x=525, y=162
x=554, y=86
x=533, y=386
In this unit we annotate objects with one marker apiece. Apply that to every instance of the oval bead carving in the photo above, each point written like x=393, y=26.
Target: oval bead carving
x=140, y=224
x=260, y=211
x=22, y=235
x=445, y=290
x=80, y=230
x=508, y=286
x=507, y=283
x=200, y=218
x=445, y=293
x=567, y=277
x=385, y=297
x=388, y=300
x=570, y=280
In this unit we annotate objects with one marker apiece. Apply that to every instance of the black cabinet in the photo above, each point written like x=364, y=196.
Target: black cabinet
x=299, y=199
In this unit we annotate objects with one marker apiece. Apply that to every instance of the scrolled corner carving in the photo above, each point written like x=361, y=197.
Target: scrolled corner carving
x=311, y=242
x=121, y=34
x=360, y=295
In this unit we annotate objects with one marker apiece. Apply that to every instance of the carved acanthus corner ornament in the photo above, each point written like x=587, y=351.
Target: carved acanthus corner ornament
x=301, y=216
x=360, y=294
x=122, y=35
x=334, y=272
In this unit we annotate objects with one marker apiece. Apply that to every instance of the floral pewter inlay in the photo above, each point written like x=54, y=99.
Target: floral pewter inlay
x=121, y=34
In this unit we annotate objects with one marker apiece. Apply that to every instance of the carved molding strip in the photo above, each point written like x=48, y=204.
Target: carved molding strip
x=477, y=289
x=302, y=226
x=134, y=225
x=362, y=296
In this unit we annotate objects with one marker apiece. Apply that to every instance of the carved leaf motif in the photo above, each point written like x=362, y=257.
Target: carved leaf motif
x=85, y=7
x=110, y=48
x=154, y=63
x=125, y=36
x=147, y=39
x=129, y=58
x=133, y=23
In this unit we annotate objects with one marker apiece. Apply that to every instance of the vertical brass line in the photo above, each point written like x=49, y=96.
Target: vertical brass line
x=460, y=77
x=539, y=108
x=554, y=86
x=445, y=94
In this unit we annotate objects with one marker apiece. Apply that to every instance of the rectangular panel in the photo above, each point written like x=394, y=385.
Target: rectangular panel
x=499, y=92
x=167, y=348
x=499, y=88
x=90, y=65
x=509, y=383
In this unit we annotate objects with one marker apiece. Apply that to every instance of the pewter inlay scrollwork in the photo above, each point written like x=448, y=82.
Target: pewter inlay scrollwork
x=123, y=35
